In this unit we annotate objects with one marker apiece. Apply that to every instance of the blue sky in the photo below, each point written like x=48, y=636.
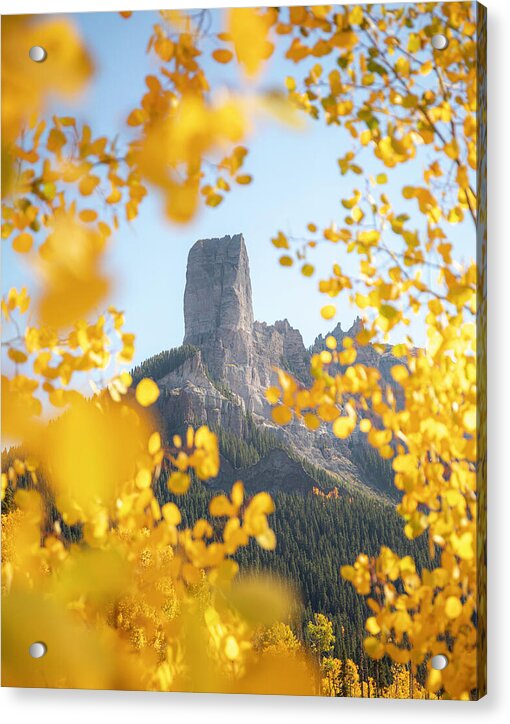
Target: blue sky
x=296, y=180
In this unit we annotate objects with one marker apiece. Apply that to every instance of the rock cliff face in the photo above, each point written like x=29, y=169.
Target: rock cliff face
x=218, y=311
x=224, y=383
x=275, y=471
x=218, y=319
x=367, y=355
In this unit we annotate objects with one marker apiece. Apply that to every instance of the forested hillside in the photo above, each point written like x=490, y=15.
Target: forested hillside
x=315, y=536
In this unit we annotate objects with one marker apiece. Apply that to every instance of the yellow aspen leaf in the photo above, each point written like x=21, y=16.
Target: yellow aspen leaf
x=372, y=626
x=280, y=241
x=434, y=680
x=357, y=214
x=453, y=607
x=463, y=545
x=329, y=311
x=307, y=270
x=267, y=540
x=178, y=482
x=348, y=356
x=104, y=229
x=244, y=179
x=222, y=55
x=114, y=197
x=454, y=498
x=347, y=572
x=220, y=506
x=343, y=426
x=290, y=83
x=345, y=39
x=281, y=415
x=137, y=117
x=373, y=647
x=410, y=101
x=363, y=337
x=231, y=648
x=17, y=355
x=88, y=184
x=436, y=307
x=356, y=15
x=386, y=452
x=286, y=260
x=401, y=656
x=248, y=29
x=399, y=373
x=351, y=203
x=365, y=425
x=66, y=68
x=388, y=311
x=154, y=445
x=273, y=395
x=56, y=140
x=143, y=479
x=378, y=438
x=147, y=392
x=311, y=421
x=328, y=412
x=126, y=378
x=469, y=420
x=455, y=215
x=171, y=513
x=213, y=199
x=331, y=342
x=202, y=529
x=23, y=243
x=369, y=237
x=87, y=215
x=452, y=149
x=222, y=184
x=403, y=66
x=131, y=211
x=237, y=493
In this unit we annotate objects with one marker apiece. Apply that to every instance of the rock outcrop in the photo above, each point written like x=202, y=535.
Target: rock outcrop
x=275, y=471
x=366, y=355
x=218, y=310
x=224, y=383
x=218, y=319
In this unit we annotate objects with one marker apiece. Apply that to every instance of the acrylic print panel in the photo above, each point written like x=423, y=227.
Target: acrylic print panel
x=281, y=490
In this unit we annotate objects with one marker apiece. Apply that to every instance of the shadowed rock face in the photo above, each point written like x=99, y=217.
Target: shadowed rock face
x=235, y=363
x=275, y=471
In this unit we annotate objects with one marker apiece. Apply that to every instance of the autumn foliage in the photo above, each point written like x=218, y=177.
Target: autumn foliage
x=151, y=603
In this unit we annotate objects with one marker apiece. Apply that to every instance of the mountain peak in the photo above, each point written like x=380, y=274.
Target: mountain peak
x=218, y=288
x=338, y=333
x=218, y=310
x=229, y=361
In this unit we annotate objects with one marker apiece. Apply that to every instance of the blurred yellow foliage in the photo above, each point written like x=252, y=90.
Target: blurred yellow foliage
x=139, y=581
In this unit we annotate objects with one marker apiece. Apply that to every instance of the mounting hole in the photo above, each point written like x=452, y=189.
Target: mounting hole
x=37, y=650
x=38, y=54
x=439, y=662
x=439, y=41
